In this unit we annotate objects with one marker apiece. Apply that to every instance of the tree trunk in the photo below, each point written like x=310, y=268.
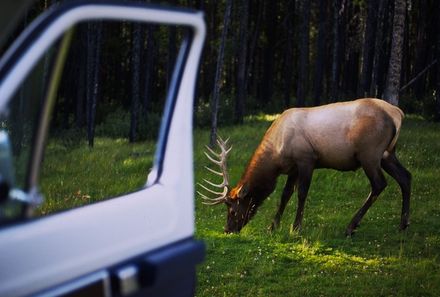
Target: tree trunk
x=421, y=50
x=47, y=56
x=269, y=53
x=352, y=50
x=405, y=73
x=149, y=58
x=288, y=53
x=80, y=95
x=81, y=92
x=303, y=62
x=135, y=68
x=242, y=65
x=199, y=5
x=91, y=44
x=208, y=72
x=437, y=54
x=18, y=122
x=96, y=82
x=218, y=73
x=351, y=73
x=253, y=73
x=336, y=50
x=368, y=50
x=320, y=53
x=93, y=64
x=380, y=47
x=391, y=93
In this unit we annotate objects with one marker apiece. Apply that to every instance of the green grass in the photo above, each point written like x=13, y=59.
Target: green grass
x=75, y=175
x=319, y=261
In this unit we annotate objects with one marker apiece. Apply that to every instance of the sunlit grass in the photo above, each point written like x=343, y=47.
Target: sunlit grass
x=261, y=117
x=320, y=261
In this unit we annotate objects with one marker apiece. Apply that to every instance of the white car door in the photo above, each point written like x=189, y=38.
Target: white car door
x=138, y=244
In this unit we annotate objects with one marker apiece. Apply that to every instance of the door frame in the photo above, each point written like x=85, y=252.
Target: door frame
x=38, y=254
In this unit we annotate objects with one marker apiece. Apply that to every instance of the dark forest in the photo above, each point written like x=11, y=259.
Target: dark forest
x=260, y=56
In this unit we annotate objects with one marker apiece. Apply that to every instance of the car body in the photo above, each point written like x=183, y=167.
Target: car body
x=139, y=244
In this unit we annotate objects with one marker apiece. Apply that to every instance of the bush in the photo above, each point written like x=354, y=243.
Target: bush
x=430, y=107
x=117, y=125
x=425, y=107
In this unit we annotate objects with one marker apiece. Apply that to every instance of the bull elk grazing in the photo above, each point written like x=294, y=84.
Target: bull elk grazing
x=342, y=136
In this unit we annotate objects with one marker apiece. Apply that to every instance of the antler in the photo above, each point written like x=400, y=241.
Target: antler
x=220, y=160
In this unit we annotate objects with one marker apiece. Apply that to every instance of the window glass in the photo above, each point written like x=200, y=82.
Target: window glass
x=105, y=121
x=18, y=124
x=109, y=108
x=19, y=120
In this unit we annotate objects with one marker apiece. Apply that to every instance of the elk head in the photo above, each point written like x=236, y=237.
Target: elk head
x=237, y=200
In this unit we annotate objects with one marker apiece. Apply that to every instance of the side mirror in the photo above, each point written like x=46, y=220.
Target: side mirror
x=6, y=168
x=14, y=203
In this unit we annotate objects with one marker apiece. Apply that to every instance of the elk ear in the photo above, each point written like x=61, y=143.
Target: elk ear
x=238, y=192
x=242, y=191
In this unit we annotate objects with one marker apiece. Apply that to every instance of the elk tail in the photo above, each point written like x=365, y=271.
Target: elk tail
x=397, y=116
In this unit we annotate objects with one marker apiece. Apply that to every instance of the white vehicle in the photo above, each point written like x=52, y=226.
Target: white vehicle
x=138, y=244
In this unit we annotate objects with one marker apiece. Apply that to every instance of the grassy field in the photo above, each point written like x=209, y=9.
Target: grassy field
x=319, y=261
x=75, y=175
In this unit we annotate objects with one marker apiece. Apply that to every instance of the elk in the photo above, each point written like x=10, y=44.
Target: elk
x=343, y=136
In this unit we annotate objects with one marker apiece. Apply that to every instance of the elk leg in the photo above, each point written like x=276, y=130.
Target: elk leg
x=304, y=180
x=392, y=166
x=378, y=184
x=285, y=197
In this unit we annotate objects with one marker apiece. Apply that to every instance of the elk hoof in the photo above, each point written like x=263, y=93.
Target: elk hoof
x=349, y=232
x=351, y=228
x=403, y=226
x=274, y=226
x=295, y=229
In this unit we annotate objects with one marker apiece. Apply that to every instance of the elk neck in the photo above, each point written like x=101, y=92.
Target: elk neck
x=261, y=172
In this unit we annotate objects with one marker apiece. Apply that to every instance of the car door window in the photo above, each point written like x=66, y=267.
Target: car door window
x=19, y=120
x=108, y=112
x=18, y=125
x=105, y=121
